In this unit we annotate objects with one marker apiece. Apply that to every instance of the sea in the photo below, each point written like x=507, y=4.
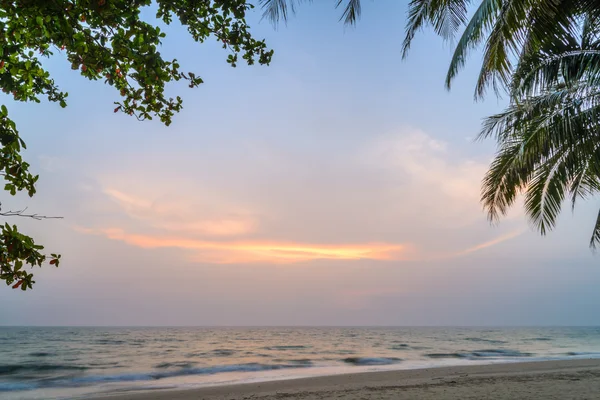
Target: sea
x=80, y=362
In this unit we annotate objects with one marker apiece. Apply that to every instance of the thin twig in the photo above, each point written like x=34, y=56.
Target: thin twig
x=19, y=213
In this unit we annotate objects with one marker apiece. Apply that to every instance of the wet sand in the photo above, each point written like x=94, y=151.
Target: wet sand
x=571, y=379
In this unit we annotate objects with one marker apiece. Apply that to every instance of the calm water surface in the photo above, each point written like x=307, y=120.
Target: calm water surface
x=54, y=363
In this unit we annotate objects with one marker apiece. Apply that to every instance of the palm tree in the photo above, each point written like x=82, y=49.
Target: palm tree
x=548, y=137
x=545, y=54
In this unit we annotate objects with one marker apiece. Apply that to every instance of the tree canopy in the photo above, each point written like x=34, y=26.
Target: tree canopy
x=104, y=40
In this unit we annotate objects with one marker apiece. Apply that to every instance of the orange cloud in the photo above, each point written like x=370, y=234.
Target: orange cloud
x=490, y=243
x=126, y=200
x=220, y=227
x=257, y=251
x=169, y=217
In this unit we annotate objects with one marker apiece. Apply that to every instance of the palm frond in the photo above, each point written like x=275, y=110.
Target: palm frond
x=503, y=42
x=561, y=107
x=279, y=10
x=595, y=240
x=351, y=11
x=586, y=181
x=545, y=173
x=522, y=27
x=569, y=67
x=546, y=192
x=417, y=18
x=548, y=147
x=571, y=169
x=590, y=31
x=445, y=16
x=504, y=180
x=472, y=36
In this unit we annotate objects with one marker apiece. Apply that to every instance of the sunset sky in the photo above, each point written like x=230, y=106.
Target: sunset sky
x=338, y=186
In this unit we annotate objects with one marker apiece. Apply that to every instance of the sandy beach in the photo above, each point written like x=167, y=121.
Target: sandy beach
x=572, y=379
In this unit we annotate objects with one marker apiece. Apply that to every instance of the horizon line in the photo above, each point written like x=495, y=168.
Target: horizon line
x=299, y=326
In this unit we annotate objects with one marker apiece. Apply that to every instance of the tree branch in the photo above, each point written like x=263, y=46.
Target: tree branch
x=20, y=213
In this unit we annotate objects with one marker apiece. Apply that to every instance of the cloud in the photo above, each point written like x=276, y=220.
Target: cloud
x=490, y=243
x=391, y=197
x=230, y=239
x=429, y=170
x=169, y=215
x=225, y=252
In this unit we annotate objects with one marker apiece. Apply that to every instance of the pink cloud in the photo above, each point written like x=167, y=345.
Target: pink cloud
x=259, y=251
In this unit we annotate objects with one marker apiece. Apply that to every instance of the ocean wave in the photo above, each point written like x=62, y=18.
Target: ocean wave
x=482, y=340
x=175, y=364
x=288, y=347
x=301, y=361
x=109, y=341
x=337, y=352
x=212, y=353
x=41, y=354
x=500, y=353
x=168, y=340
x=7, y=369
x=583, y=353
x=212, y=370
x=540, y=339
x=147, y=376
x=222, y=352
x=446, y=355
x=16, y=386
x=104, y=364
x=371, y=360
x=478, y=354
x=401, y=346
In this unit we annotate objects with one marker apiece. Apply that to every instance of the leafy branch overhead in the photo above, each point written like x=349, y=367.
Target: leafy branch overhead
x=104, y=40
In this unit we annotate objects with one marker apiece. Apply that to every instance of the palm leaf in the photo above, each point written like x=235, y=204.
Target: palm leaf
x=472, y=36
x=503, y=42
x=351, y=11
x=279, y=10
x=446, y=17
x=586, y=182
x=595, y=240
x=569, y=67
x=504, y=180
x=547, y=149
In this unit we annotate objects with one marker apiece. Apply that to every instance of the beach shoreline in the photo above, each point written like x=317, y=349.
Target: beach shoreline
x=563, y=379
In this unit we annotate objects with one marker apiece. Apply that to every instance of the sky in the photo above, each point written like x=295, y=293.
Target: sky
x=337, y=186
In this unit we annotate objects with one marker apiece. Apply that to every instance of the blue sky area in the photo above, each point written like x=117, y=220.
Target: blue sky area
x=338, y=186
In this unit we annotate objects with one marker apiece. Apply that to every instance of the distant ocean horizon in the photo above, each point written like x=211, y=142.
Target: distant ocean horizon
x=79, y=361
x=307, y=326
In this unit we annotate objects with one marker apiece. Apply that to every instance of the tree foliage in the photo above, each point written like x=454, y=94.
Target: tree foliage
x=543, y=54
x=106, y=40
